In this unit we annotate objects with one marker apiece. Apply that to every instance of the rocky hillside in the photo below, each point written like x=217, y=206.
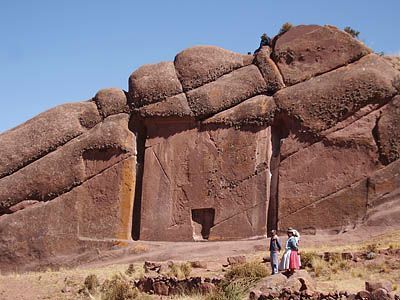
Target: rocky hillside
x=215, y=145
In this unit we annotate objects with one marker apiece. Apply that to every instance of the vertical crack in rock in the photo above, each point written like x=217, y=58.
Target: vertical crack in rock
x=375, y=135
x=273, y=206
x=138, y=127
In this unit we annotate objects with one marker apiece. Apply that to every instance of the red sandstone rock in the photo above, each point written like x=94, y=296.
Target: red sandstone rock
x=175, y=106
x=22, y=205
x=312, y=181
x=258, y=110
x=323, y=101
x=111, y=101
x=388, y=131
x=309, y=50
x=94, y=215
x=153, y=83
x=202, y=64
x=381, y=294
x=227, y=91
x=269, y=70
x=371, y=286
x=213, y=177
x=235, y=260
x=80, y=159
x=45, y=133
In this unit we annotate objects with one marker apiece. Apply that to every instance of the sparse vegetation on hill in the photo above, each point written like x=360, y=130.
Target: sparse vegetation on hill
x=354, y=33
x=285, y=27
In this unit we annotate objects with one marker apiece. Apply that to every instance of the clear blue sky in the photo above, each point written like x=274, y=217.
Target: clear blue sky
x=54, y=51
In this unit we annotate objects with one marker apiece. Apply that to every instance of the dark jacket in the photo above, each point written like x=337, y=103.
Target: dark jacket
x=274, y=244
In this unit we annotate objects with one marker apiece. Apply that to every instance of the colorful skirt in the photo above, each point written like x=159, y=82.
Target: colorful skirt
x=294, y=260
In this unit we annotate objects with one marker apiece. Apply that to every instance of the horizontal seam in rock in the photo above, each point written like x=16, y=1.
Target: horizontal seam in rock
x=207, y=82
x=351, y=61
x=325, y=197
x=73, y=186
x=238, y=213
x=45, y=153
x=322, y=135
x=56, y=147
x=205, y=117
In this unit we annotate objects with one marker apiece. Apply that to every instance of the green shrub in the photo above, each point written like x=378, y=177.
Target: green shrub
x=354, y=33
x=285, y=27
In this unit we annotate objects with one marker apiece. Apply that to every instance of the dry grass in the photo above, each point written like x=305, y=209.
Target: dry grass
x=180, y=271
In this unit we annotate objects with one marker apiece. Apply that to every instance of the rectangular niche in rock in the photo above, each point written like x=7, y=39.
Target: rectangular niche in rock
x=202, y=221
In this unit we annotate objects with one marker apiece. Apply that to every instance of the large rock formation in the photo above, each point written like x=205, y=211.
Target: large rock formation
x=215, y=145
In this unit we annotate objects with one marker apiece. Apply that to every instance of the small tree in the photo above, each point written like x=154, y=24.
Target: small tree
x=285, y=27
x=354, y=33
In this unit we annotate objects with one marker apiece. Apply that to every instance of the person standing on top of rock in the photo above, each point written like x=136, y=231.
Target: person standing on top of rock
x=290, y=259
x=264, y=42
x=274, y=248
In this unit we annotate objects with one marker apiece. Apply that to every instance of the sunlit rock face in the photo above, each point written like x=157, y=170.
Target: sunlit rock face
x=215, y=145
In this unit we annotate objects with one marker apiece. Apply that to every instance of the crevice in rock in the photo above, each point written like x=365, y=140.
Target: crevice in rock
x=40, y=155
x=278, y=131
x=323, y=198
x=51, y=196
x=238, y=213
x=137, y=126
x=375, y=135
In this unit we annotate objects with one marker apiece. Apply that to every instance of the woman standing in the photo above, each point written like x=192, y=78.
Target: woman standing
x=290, y=259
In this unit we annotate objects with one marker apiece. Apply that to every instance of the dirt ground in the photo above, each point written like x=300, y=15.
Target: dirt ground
x=64, y=283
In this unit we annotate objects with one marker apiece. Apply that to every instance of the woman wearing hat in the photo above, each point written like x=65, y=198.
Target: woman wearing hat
x=290, y=259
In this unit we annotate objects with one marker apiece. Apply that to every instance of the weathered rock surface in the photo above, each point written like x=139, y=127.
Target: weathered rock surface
x=199, y=65
x=210, y=146
x=323, y=101
x=309, y=50
x=269, y=70
x=199, y=182
x=175, y=106
x=69, y=166
x=45, y=133
x=306, y=187
x=153, y=83
x=227, y=91
x=111, y=101
x=95, y=215
x=259, y=110
x=388, y=131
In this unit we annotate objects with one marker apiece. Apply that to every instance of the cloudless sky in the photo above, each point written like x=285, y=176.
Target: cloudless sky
x=55, y=51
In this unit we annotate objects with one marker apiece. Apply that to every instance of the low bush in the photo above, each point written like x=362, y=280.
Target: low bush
x=285, y=27
x=253, y=269
x=354, y=33
x=306, y=258
x=118, y=288
x=180, y=271
x=91, y=283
